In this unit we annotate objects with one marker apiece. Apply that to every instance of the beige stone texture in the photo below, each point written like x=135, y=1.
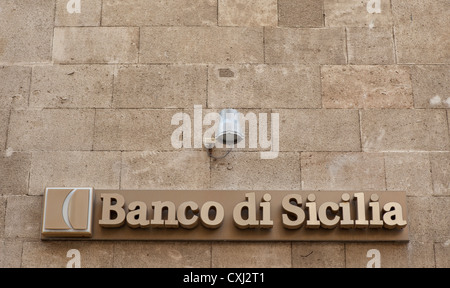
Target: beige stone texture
x=448, y=116
x=421, y=29
x=2, y=216
x=14, y=171
x=318, y=255
x=370, y=45
x=300, y=13
x=343, y=171
x=305, y=46
x=165, y=170
x=431, y=85
x=159, y=13
x=442, y=251
x=410, y=172
x=246, y=254
x=366, y=87
x=42, y=254
x=72, y=86
x=89, y=15
x=218, y=45
x=23, y=217
x=133, y=129
x=10, y=254
x=27, y=30
x=420, y=219
x=87, y=99
x=428, y=218
x=51, y=130
x=159, y=86
x=106, y=45
x=100, y=170
x=404, y=130
x=264, y=86
x=4, y=120
x=440, y=215
x=392, y=255
x=14, y=86
x=248, y=13
x=352, y=13
x=319, y=130
x=162, y=255
x=422, y=255
x=246, y=171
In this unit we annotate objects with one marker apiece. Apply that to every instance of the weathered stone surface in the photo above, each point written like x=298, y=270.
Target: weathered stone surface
x=23, y=216
x=420, y=221
x=370, y=45
x=264, y=86
x=72, y=86
x=442, y=252
x=4, y=120
x=133, y=129
x=244, y=254
x=440, y=166
x=421, y=29
x=89, y=15
x=201, y=45
x=410, y=172
x=2, y=217
x=27, y=30
x=431, y=85
x=319, y=130
x=318, y=255
x=428, y=222
x=357, y=14
x=158, y=86
x=14, y=86
x=305, y=46
x=51, y=130
x=87, y=99
x=10, y=254
x=165, y=170
x=159, y=13
x=301, y=13
x=100, y=170
x=59, y=255
x=248, y=13
x=245, y=170
x=14, y=171
x=93, y=45
x=342, y=171
x=366, y=87
x=440, y=215
x=404, y=130
x=162, y=255
x=392, y=255
x=428, y=218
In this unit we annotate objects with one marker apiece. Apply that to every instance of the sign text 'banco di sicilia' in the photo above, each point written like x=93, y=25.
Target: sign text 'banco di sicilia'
x=230, y=215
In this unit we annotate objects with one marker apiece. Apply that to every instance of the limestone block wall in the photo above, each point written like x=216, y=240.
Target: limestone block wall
x=87, y=97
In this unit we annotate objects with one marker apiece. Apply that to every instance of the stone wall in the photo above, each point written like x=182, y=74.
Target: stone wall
x=362, y=90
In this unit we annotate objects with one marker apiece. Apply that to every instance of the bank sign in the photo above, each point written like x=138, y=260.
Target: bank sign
x=230, y=215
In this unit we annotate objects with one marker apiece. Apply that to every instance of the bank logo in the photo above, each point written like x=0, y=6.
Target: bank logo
x=68, y=212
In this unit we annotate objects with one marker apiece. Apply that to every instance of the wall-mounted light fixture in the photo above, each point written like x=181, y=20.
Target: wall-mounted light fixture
x=229, y=131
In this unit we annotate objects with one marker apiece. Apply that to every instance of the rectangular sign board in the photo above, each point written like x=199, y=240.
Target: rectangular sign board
x=226, y=215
